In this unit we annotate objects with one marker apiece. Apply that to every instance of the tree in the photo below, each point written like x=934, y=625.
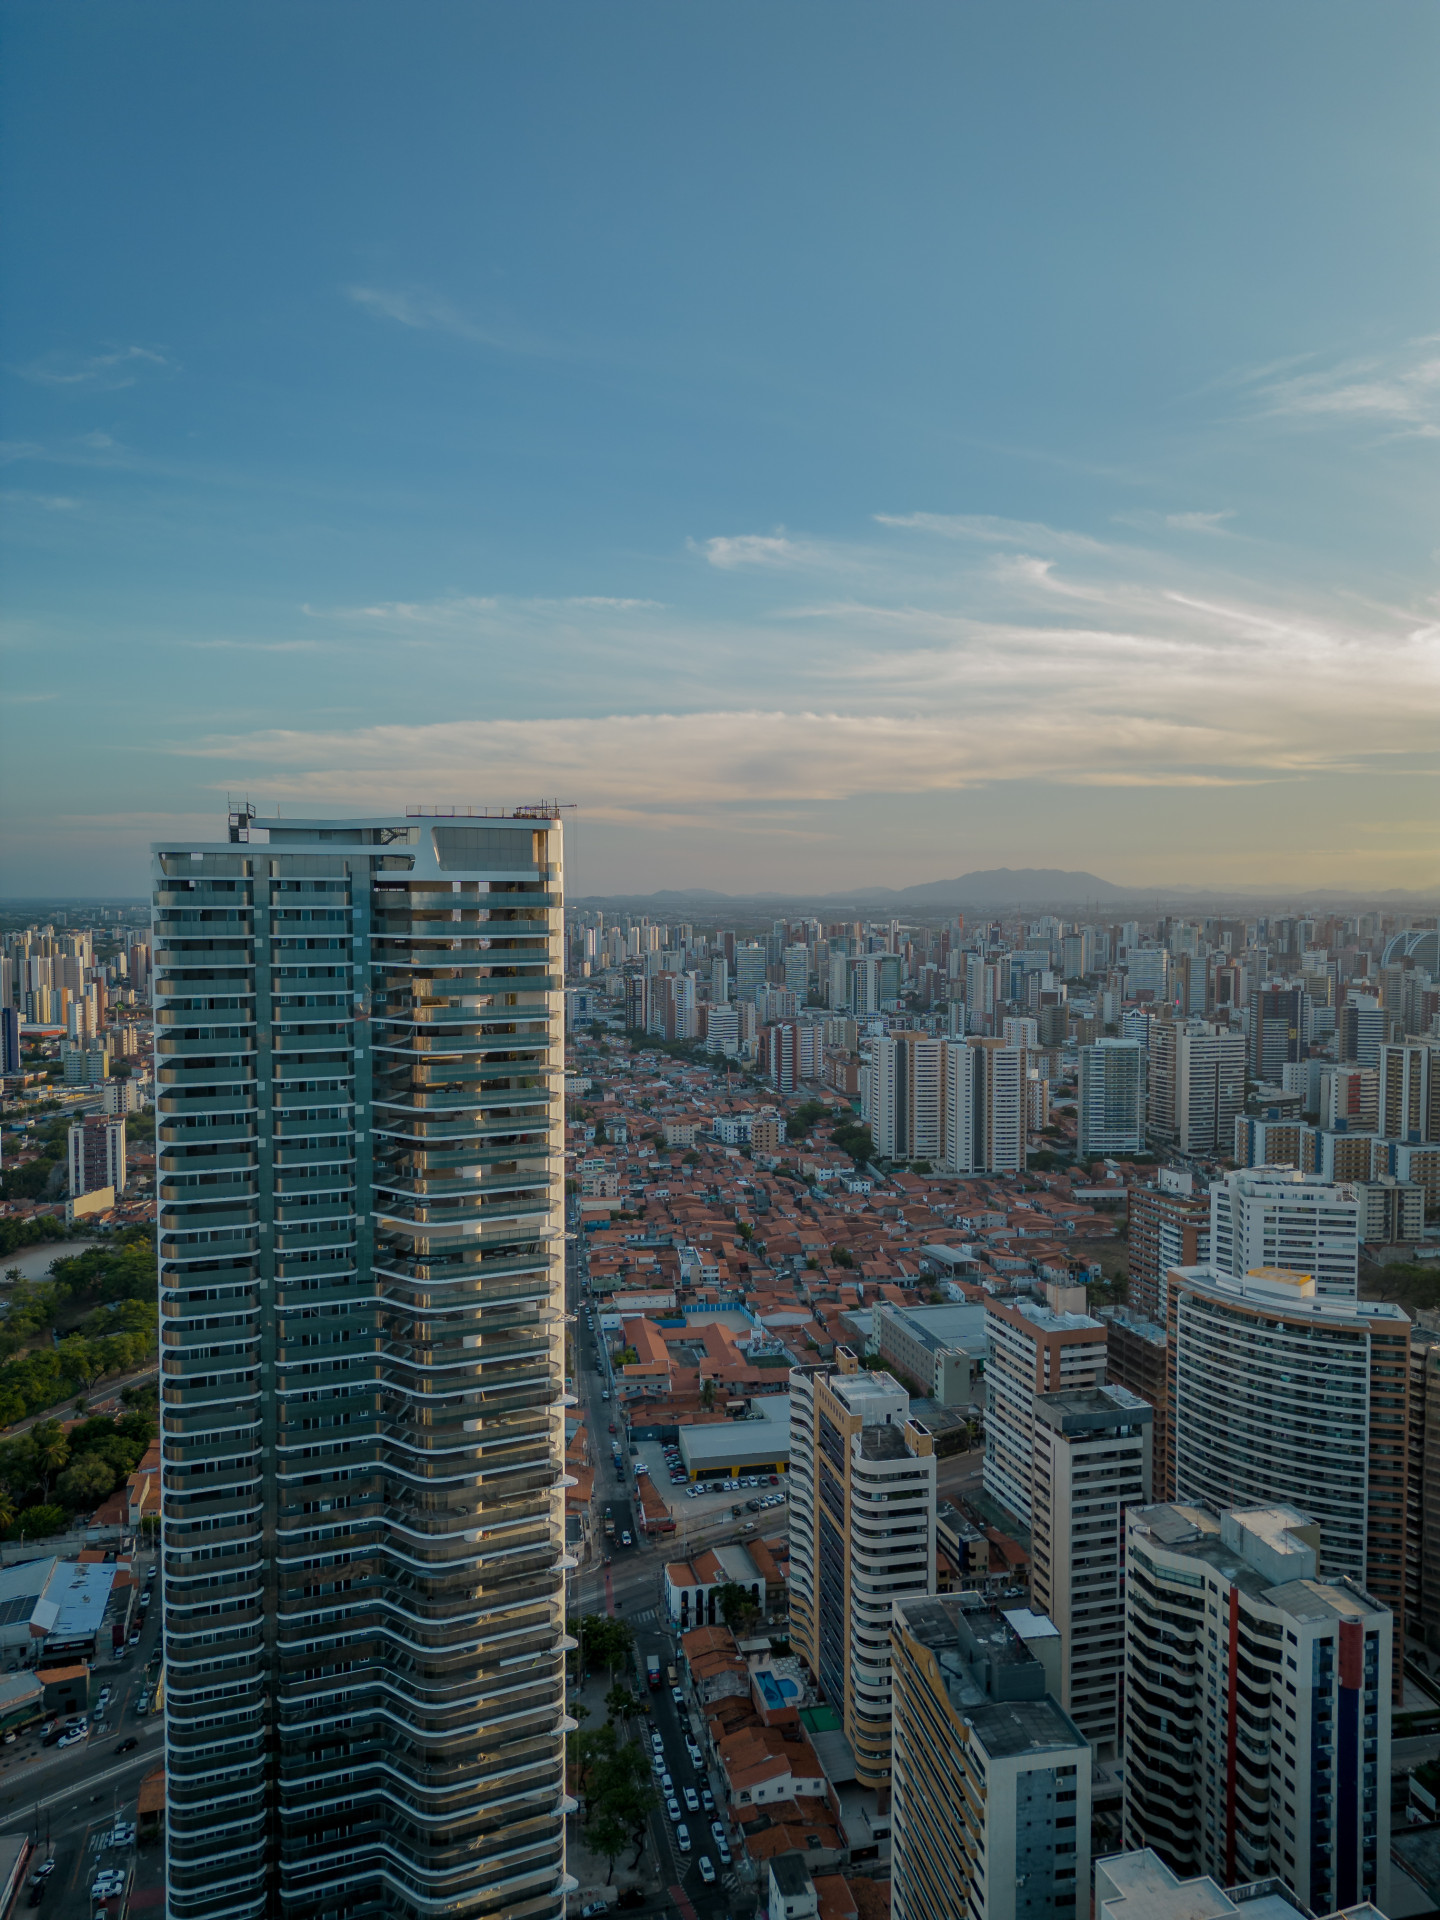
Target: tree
x=607, y=1835
x=842, y=1257
x=52, y=1450
x=86, y=1483
x=804, y=1118
x=707, y=1395
x=619, y=1701
x=737, y=1607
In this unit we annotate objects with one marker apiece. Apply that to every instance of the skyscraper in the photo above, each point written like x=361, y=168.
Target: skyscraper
x=1111, y=1105
x=1197, y=1085
x=1257, y=1722
x=986, y=1097
x=1277, y=1217
x=1277, y=1393
x=862, y=1536
x=907, y=1078
x=359, y=1070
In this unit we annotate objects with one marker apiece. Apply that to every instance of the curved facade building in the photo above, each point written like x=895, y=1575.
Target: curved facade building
x=359, y=1059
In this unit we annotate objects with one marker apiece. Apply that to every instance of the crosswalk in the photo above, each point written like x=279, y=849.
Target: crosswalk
x=646, y=1619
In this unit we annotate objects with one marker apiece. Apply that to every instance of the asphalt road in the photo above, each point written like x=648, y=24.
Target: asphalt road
x=70, y=1799
x=631, y=1587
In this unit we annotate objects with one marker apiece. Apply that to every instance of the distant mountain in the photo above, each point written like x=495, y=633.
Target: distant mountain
x=1017, y=887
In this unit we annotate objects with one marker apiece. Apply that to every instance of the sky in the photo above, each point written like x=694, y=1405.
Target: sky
x=828, y=444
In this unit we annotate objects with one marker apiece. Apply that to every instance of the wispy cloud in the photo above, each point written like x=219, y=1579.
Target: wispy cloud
x=1399, y=390
x=775, y=550
x=992, y=530
x=51, y=502
x=119, y=367
x=425, y=311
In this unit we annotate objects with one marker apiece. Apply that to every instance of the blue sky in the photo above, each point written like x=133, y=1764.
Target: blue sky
x=829, y=443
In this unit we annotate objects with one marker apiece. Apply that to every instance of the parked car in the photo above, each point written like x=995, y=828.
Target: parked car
x=682, y=1837
x=71, y=1739
x=677, y=1696
x=142, y=1705
x=657, y=1742
x=672, y=1807
x=707, y=1869
x=707, y=1800
x=717, y=1828
x=667, y=1785
x=101, y=1703
x=692, y=1800
x=722, y=1847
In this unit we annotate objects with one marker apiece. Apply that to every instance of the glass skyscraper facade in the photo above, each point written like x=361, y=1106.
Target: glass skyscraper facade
x=359, y=1134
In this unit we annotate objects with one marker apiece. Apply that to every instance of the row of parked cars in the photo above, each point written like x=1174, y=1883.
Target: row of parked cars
x=733, y=1486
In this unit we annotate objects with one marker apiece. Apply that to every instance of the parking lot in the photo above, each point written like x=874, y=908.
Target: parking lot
x=692, y=1506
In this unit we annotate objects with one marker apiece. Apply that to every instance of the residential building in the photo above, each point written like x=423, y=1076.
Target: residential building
x=991, y=1813
x=1277, y=1030
x=1136, y=1357
x=1139, y=1886
x=97, y=1153
x=1361, y=1031
x=1196, y=1085
x=1257, y=1717
x=1422, y=1515
x=986, y=1089
x=1091, y=1463
x=1349, y=1099
x=1169, y=1227
x=364, y=1635
x=862, y=1536
x=1278, y=1217
x=1409, y=1094
x=1278, y=1393
x=1276, y=1143
x=1111, y=1103
x=1391, y=1212
x=907, y=1072
x=1037, y=1344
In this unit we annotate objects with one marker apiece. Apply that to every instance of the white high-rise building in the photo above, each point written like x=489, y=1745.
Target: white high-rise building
x=1091, y=1462
x=1278, y=1217
x=1196, y=1085
x=1257, y=1713
x=1111, y=1104
x=1036, y=1345
x=1277, y=1393
x=986, y=1102
x=907, y=1072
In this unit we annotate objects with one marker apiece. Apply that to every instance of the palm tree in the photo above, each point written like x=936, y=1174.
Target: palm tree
x=52, y=1450
x=7, y=1510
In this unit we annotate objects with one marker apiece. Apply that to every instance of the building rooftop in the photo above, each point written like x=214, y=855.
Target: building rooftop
x=980, y=1656
x=883, y=1443
x=1282, y=1291
x=1092, y=1409
x=937, y=1329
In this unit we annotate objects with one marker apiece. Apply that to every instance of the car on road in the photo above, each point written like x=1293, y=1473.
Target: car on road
x=128, y=1746
x=707, y=1869
x=122, y=1834
x=717, y=1828
x=657, y=1741
x=104, y=1700
x=707, y=1800
x=677, y=1696
x=672, y=1807
x=657, y=1764
x=722, y=1847
x=682, y=1837
x=134, y=1640
x=693, y=1751
x=106, y=1884
x=604, y=1393
x=142, y=1705
x=594, y=1907
x=626, y=1540
x=42, y=1872
x=692, y=1800
x=71, y=1739
x=667, y=1785
x=48, y=1727
x=54, y=1737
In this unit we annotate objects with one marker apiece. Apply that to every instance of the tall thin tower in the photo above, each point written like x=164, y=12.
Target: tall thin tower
x=359, y=1057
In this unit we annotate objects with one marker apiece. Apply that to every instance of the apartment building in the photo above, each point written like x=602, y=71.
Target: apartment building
x=907, y=1075
x=96, y=1153
x=1422, y=1516
x=1136, y=1357
x=1091, y=1464
x=1039, y=1343
x=1390, y=1212
x=1257, y=1718
x=1139, y=1886
x=1276, y=1143
x=1111, y=1103
x=360, y=1140
x=1196, y=1085
x=1349, y=1099
x=991, y=1811
x=986, y=1096
x=1409, y=1093
x=1279, y=1217
x=1280, y=1394
x=862, y=1536
x=1169, y=1227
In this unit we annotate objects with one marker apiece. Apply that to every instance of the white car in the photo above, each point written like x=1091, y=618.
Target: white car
x=682, y=1838
x=672, y=1807
x=717, y=1827
x=692, y=1800
x=722, y=1847
x=657, y=1742
x=71, y=1739
x=707, y=1869
x=667, y=1785
x=103, y=1701
x=105, y=1884
x=657, y=1762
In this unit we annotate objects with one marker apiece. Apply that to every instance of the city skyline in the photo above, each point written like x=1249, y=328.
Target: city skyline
x=919, y=450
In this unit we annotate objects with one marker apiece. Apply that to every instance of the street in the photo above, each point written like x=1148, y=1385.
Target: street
x=631, y=1587
x=70, y=1798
